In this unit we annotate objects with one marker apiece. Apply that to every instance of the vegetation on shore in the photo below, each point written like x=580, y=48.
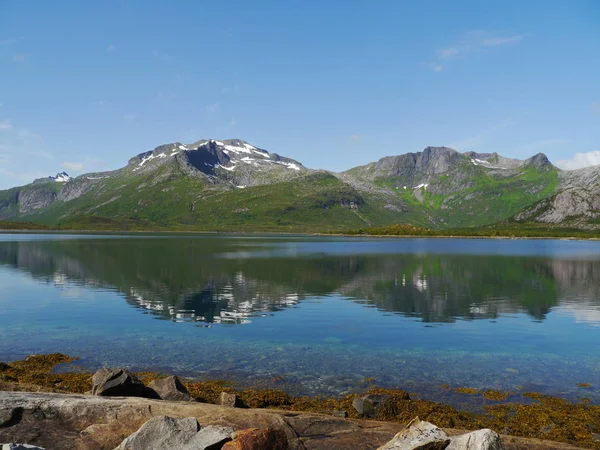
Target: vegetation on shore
x=506, y=230
x=539, y=416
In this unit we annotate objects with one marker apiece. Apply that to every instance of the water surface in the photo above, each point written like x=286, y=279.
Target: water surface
x=319, y=315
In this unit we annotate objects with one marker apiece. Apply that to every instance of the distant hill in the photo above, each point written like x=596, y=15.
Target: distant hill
x=232, y=185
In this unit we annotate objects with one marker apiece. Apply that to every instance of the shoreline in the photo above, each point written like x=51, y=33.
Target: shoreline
x=541, y=416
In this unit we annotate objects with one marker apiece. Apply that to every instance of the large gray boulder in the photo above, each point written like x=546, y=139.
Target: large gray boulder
x=171, y=388
x=212, y=437
x=484, y=439
x=418, y=435
x=161, y=433
x=119, y=382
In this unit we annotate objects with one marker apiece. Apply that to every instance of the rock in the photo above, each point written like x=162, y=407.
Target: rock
x=337, y=413
x=268, y=438
x=162, y=432
x=21, y=447
x=236, y=434
x=171, y=388
x=418, y=435
x=227, y=399
x=4, y=366
x=119, y=382
x=484, y=439
x=211, y=437
x=368, y=406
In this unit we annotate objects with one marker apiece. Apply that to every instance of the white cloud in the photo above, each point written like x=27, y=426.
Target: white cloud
x=473, y=41
x=76, y=166
x=8, y=41
x=130, y=116
x=5, y=125
x=355, y=137
x=111, y=48
x=212, y=108
x=580, y=160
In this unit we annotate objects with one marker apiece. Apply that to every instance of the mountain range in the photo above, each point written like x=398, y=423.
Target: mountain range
x=231, y=185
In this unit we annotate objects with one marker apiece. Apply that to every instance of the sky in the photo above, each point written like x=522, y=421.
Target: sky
x=84, y=86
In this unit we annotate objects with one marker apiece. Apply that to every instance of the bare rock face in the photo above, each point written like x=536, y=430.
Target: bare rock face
x=484, y=439
x=418, y=435
x=253, y=439
x=211, y=437
x=171, y=388
x=119, y=382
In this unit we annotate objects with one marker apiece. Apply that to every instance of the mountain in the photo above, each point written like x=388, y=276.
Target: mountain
x=233, y=185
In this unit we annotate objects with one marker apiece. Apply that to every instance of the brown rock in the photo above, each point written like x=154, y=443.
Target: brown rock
x=267, y=438
x=227, y=399
x=171, y=388
x=238, y=433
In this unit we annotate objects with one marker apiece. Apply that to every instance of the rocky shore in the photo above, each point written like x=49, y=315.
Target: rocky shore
x=116, y=409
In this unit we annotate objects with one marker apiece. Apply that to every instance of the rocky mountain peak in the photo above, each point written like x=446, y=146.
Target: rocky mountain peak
x=539, y=161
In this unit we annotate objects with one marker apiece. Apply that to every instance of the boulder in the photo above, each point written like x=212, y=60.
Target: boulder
x=227, y=399
x=338, y=413
x=119, y=382
x=171, y=388
x=368, y=406
x=162, y=432
x=20, y=447
x=484, y=439
x=267, y=438
x=211, y=437
x=418, y=435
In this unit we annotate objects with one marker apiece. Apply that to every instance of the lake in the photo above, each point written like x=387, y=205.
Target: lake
x=312, y=315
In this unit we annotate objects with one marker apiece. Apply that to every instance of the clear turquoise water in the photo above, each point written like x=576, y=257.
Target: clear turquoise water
x=321, y=313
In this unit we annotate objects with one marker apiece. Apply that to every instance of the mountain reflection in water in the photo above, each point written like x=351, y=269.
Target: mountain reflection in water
x=230, y=281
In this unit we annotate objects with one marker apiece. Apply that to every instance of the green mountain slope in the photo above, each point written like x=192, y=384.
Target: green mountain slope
x=234, y=186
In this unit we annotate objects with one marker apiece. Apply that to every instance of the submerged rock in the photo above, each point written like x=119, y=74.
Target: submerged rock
x=253, y=439
x=119, y=382
x=171, y=388
x=484, y=439
x=418, y=435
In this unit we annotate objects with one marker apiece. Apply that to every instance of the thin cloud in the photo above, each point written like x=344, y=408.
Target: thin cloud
x=111, y=48
x=8, y=41
x=540, y=145
x=75, y=166
x=580, y=160
x=229, y=90
x=20, y=58
x=355, y=137
x=477, y=140
x=212, y=108
x=473, y=41
x=165, y=96
x=232, y=123
x=130, y=116
x=42, y=154
x=161, y=55
x=596, y=108
x=5, y=125
x=3, y=161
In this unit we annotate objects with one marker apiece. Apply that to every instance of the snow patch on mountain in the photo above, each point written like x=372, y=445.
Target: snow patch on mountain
x=62, y=177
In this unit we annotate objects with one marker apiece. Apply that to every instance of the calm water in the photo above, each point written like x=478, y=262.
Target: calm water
x=321, y=313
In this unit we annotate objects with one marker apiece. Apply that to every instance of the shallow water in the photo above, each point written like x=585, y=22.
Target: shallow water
x=313, y=315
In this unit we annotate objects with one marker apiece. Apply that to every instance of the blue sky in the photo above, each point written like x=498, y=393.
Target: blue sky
x=86, y=85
